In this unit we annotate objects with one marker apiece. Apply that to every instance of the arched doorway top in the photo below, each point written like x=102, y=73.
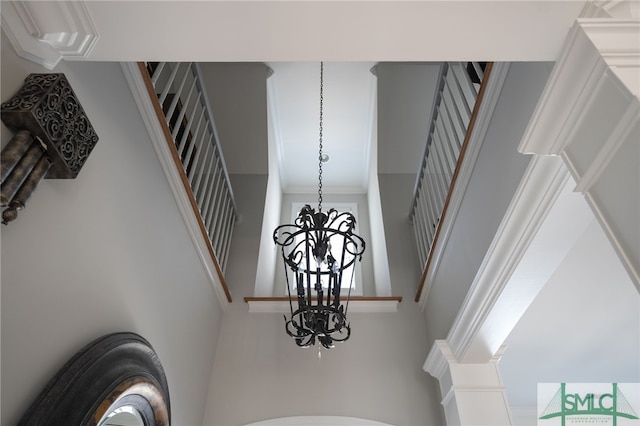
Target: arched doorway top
x=318, y=421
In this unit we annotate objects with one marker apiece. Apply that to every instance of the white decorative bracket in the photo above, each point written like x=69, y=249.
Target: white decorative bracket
x=46, y=32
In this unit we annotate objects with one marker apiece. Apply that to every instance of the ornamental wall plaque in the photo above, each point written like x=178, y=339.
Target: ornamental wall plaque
x=47, y=107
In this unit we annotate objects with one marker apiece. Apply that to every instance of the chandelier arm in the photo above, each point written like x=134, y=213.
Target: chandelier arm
x=359, y=245
x=288, y=287
x=346, y=308
x=342, y=339
x=307, y=272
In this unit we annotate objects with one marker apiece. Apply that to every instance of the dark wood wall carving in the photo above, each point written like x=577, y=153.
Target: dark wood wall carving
x=47, y=106
x=53, y=138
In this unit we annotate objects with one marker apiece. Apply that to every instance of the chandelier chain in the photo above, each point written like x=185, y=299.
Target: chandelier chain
x=315, y=267
x=320, y=149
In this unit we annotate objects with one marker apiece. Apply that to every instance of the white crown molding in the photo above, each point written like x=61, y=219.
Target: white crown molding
x=608, y=149
x=438, y=360
x=595, y=9
x=46, y=32
x=589, y=114
x=569, y=75
x=544, y=179
x=156, y=134
x=593, y=49
x=492, y=94
x=609, y=9
x=615, y=39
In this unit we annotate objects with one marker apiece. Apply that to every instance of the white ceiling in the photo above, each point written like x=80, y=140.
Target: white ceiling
x=368, y=108
x=259, y=31
x=348, y=123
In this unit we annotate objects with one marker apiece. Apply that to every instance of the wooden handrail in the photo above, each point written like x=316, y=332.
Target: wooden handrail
x=183, y=176
x=352, y=299
x=463, y=150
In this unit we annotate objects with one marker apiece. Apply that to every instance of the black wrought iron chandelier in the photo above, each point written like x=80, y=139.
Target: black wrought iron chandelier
x=319, y=251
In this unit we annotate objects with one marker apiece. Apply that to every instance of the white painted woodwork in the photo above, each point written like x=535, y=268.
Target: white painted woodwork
x=590, y=294
x=483, y=119
x=329, y=30
x=495, y=177
x=378, y=240
x=156, y=134
x=268, y=252
x=46, y=32
x=472, y=393
x=589, y=115
x=541, y=225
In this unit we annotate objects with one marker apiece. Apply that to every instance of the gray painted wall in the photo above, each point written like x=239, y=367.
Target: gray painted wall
x=377, y=374
x=561, y=337
x=238, y=96
x=396, y=192
x=405, y=99
x=496, y=176
x=256, y=375
x=103, y=253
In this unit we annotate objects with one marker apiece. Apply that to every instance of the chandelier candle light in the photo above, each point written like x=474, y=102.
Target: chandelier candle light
x=319, y=251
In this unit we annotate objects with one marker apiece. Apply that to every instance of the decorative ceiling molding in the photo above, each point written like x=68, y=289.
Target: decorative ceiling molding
x=442, y=364
x=483, y=323
x=552, y=110
x=609, y=9
x=594, y=47
x=46, y=32
x=615, y=39
x=595, y=9
x=589, y=114
x=438, y=359
x=611, y=145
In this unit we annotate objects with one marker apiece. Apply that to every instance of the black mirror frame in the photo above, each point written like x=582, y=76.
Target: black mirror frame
x=116, y=370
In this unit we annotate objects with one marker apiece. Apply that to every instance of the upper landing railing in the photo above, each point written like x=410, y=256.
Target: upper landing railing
x=178, y=95
x=458, y=94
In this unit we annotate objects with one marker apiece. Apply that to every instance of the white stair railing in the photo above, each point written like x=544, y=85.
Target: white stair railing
x=453, y=107
x=185, y=105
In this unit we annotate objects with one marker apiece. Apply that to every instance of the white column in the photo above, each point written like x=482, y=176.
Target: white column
x=584, y=136
x=472, y=393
